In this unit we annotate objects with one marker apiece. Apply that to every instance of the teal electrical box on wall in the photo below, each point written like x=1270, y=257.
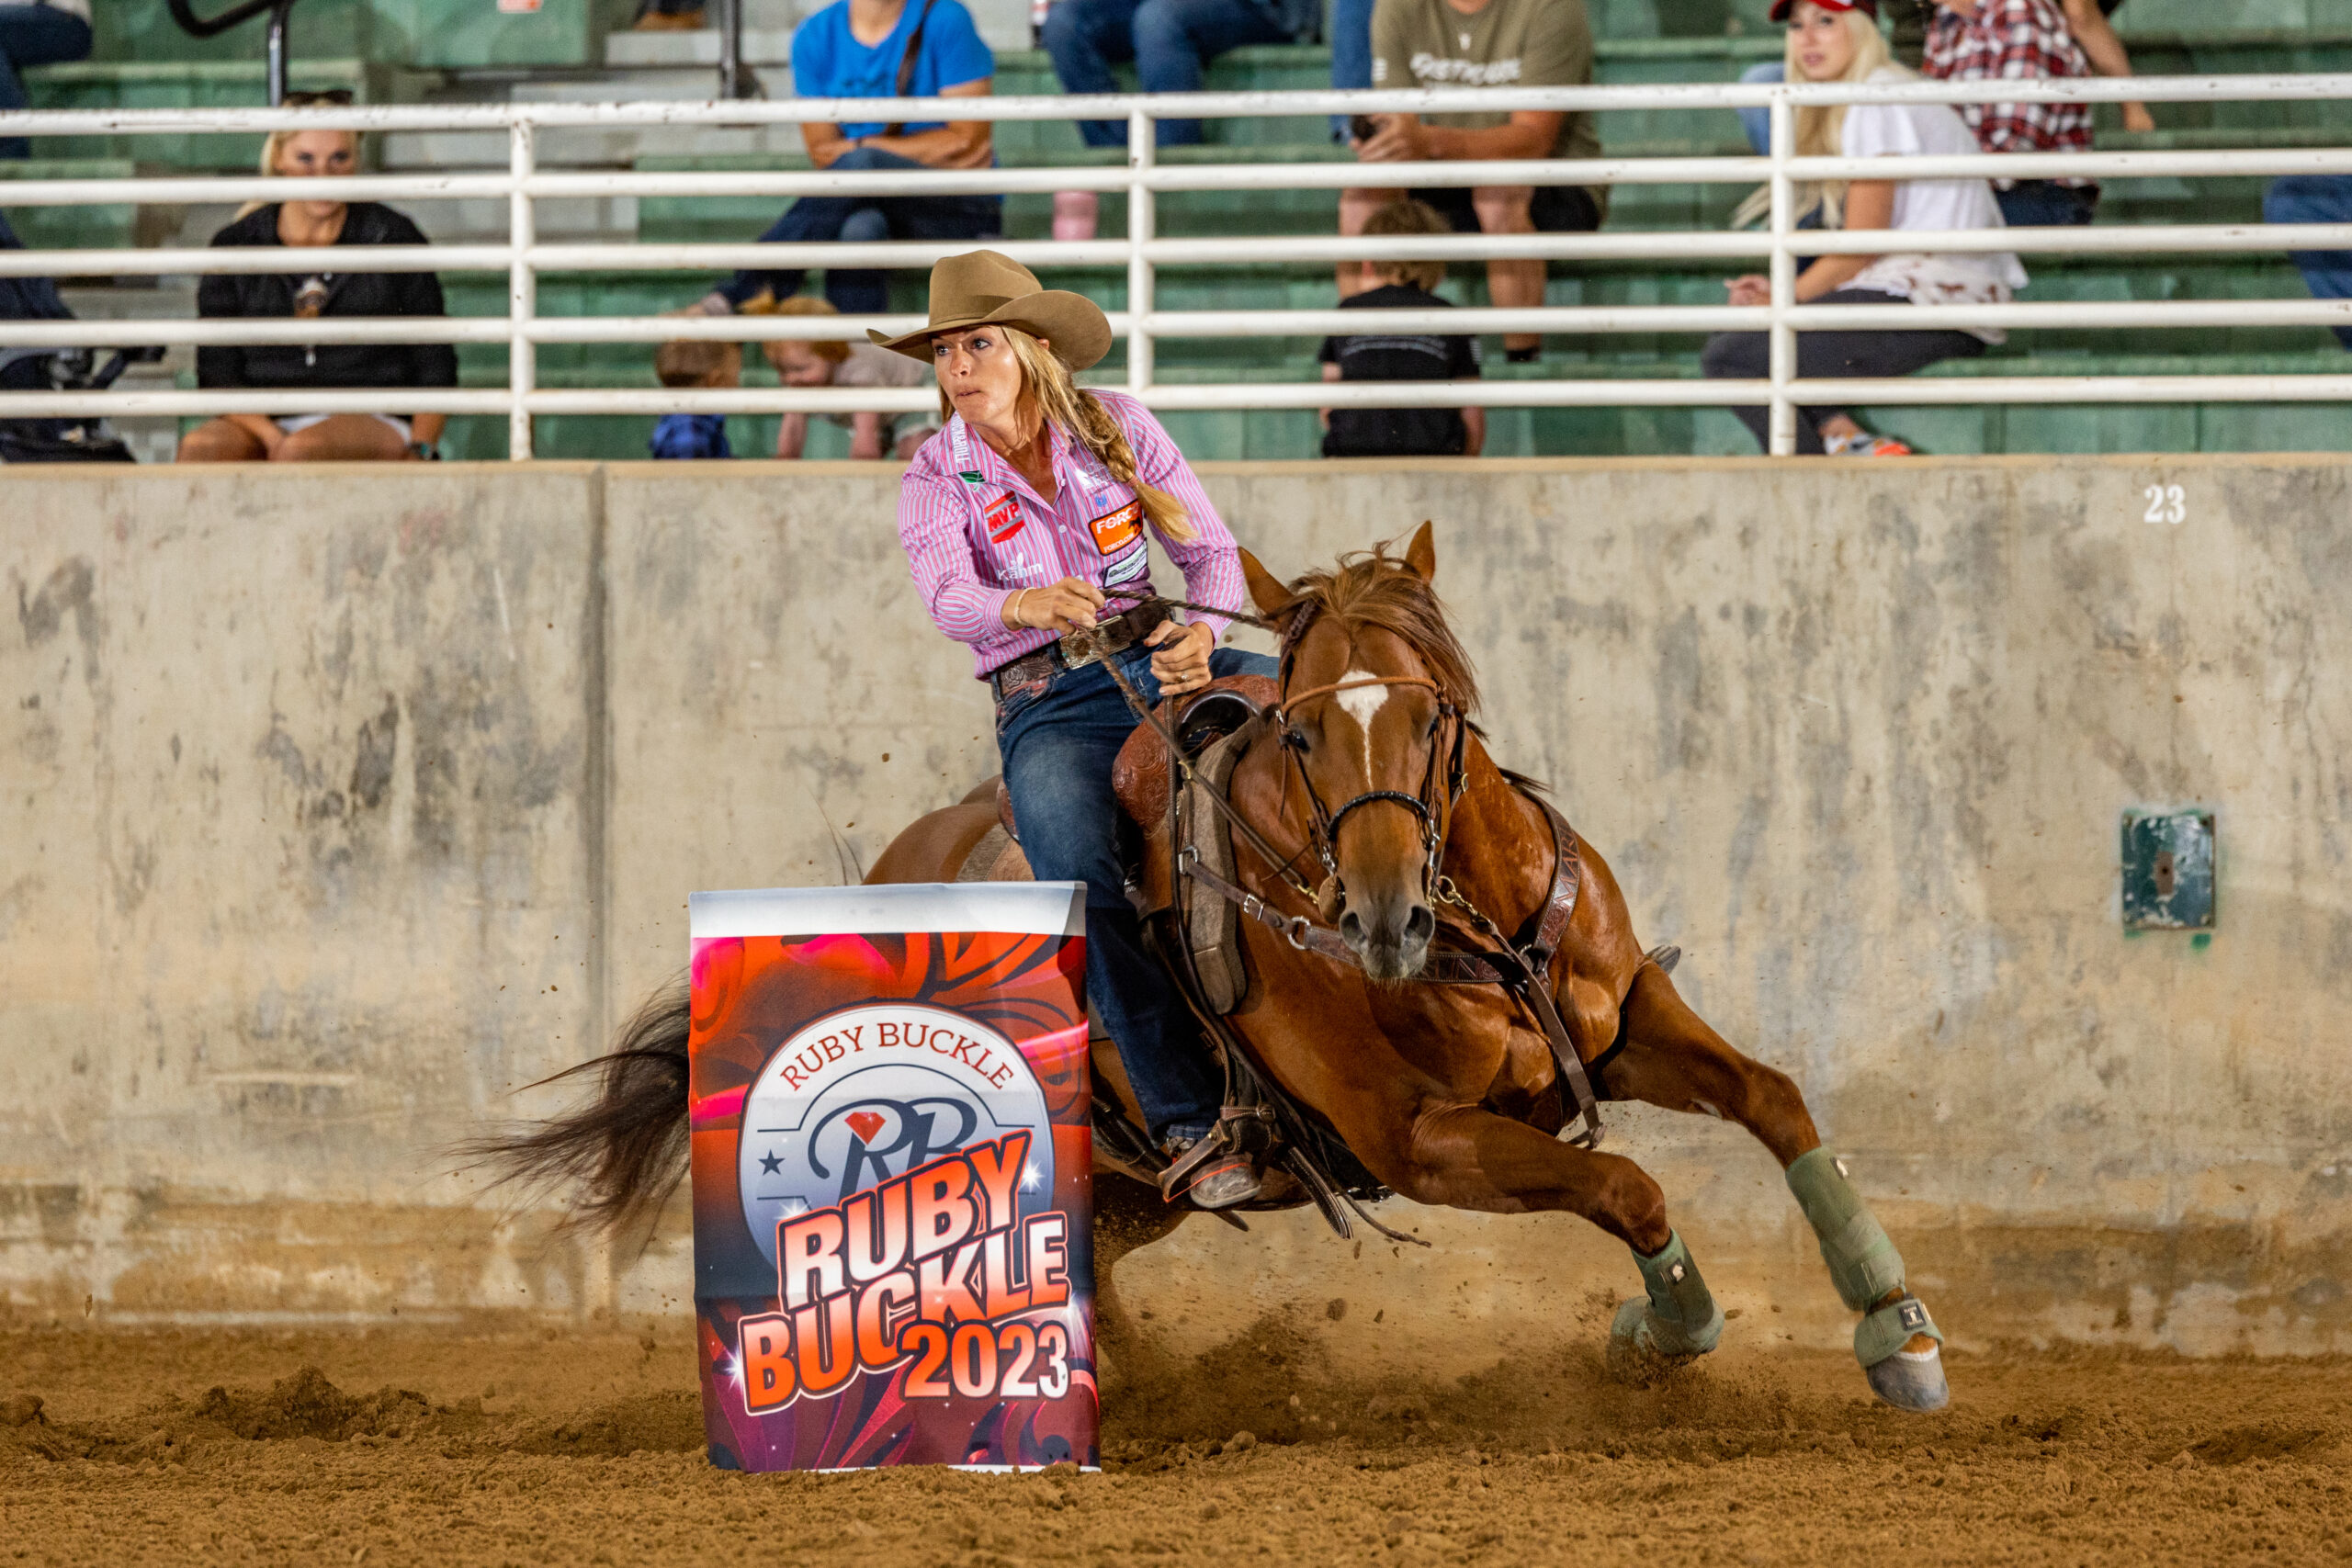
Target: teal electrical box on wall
x=2168, y=871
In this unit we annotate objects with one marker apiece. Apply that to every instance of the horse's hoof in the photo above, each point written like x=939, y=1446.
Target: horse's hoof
x=1643, y=1349
x=1912, y=1380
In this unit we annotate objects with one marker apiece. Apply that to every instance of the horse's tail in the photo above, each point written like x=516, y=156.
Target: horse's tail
x=626, y=1147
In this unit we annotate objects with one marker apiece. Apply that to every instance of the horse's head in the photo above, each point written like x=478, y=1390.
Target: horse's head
x=1375, y=695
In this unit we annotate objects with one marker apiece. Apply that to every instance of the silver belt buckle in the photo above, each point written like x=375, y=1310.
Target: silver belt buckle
x=1078, y=652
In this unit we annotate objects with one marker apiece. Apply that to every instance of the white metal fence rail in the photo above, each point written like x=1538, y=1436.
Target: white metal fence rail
x=1142, y=251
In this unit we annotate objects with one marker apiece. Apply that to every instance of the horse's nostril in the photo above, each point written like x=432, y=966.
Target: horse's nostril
x=1421, y=925
x=1352, y=926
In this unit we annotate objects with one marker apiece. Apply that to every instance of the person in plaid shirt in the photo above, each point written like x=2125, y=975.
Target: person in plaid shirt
x=1972, y=40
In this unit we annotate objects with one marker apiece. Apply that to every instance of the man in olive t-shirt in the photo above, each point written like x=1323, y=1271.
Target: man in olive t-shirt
x=1483, y=43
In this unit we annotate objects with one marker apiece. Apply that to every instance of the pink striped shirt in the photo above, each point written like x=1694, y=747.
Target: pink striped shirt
x=975, y=533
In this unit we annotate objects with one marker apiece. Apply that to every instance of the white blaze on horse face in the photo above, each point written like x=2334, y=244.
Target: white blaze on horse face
x=1361, y=704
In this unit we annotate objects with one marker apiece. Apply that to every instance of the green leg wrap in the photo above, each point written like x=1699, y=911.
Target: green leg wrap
x=1682, y=1319
x=1863, y=1262
x=1882, y=1333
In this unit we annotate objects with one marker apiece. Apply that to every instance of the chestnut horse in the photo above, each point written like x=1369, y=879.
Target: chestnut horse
x=1448, y=1094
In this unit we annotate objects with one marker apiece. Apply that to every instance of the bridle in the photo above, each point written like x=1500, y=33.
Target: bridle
x=1521, y=968
x=1432, y=806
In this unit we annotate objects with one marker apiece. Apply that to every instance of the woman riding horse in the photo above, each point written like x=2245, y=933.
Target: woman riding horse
x=1024, y=520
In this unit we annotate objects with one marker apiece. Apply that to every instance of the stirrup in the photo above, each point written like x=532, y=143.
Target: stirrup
x=1246, y=1131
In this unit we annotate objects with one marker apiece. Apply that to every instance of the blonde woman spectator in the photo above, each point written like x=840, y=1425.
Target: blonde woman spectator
x=323, y=240
x=1838, y=40
x=823, y=363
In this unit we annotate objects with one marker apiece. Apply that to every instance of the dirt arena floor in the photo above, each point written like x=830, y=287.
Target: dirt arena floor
x=446, y=1445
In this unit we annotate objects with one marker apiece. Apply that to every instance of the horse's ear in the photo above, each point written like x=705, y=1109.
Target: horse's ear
x=1421, y=554
x=1266, y=590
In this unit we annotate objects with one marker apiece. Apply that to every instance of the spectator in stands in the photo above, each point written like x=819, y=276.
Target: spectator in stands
x=2085, y=19
x=2088, y=19
x=879, y=434
x=37, y=32
x=1482, y=44
x=319, y=285
x=1350, y=41
x=1169, y=41
x=1402, y=356
x=880, y=49
x=695, y=362
x=2316, y=198
x=2017, y=41
x=1838, y=40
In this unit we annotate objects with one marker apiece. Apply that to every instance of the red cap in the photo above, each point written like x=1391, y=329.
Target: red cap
x=1780, y=9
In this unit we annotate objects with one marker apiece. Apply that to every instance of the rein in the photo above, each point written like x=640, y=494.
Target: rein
x=1523, y=972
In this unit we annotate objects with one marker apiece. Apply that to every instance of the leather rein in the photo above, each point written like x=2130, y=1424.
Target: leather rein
x=1521, y=971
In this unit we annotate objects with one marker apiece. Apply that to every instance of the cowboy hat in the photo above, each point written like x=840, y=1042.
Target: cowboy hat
x=985, y=289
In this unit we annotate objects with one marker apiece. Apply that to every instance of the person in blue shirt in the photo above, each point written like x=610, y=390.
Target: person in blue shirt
x=690, y=362
x=880, y=49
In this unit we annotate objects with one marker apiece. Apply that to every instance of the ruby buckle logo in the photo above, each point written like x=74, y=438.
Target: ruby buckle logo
x=865, y=1096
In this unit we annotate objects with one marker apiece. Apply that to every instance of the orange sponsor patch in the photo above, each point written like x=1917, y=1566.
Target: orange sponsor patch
x=1114, y=531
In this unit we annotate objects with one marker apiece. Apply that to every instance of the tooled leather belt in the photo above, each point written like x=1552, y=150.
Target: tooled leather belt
x=1115, y=635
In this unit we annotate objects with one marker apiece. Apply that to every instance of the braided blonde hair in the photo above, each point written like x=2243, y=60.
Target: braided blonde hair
x=1047, y=393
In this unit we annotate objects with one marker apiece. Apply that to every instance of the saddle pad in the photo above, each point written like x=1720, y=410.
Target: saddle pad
x=980, y=864
x=1213, y=926
x=1139, y=777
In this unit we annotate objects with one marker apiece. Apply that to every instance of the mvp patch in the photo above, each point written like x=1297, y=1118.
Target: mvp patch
x=1002, y=519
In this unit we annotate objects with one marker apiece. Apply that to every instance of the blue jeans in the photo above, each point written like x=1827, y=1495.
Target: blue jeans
x=2044, y=204
x=1168, y=39
x=1351, y=43
x=2316, y=198
x=864, y=220
x=1757, y=122
x=1057, y=746
x=34, y=35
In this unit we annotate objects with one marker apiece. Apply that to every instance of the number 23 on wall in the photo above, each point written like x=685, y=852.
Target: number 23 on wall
x=2167, y=504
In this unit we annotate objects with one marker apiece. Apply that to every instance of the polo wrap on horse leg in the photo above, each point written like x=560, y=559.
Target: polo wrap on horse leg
x=1676, y=1316
x=1863, y=1262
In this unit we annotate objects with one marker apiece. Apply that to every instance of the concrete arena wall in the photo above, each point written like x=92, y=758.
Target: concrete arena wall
x=334, y=807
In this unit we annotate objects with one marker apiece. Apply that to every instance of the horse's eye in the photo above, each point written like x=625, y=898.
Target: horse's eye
x=1435, y=719
x=1296, y=739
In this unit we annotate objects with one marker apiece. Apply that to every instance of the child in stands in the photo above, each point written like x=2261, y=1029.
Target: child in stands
x=695, y=362
x=894, y=434
x=1402, y=356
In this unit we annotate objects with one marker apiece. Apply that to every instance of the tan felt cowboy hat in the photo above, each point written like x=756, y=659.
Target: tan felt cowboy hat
x=984, y=288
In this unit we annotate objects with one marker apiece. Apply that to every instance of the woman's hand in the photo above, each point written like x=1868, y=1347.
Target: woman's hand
x=1754, y=288
x=1064, y=606
x=1183, y=662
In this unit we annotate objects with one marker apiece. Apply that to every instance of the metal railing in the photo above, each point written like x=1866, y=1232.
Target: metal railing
x=274, y=48
x=524, y=258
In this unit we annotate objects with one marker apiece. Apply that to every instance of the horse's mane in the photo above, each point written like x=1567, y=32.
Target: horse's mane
x=1375, y=589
